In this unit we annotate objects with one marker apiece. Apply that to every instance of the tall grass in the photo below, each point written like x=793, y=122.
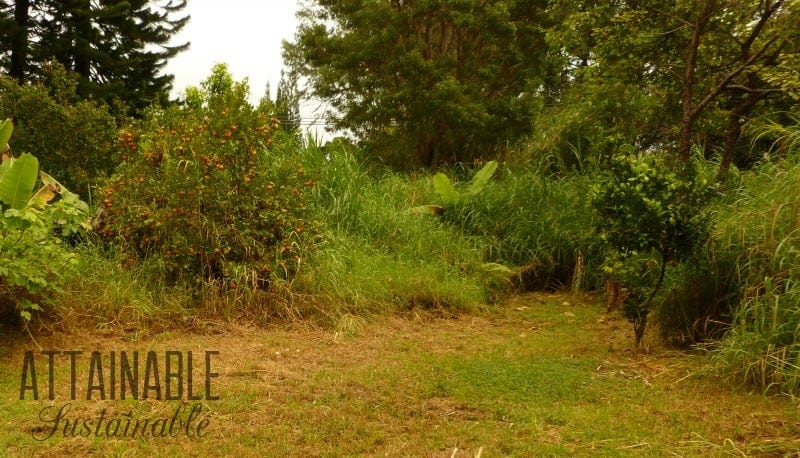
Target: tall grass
x=99, y=292
x=540, y=224
x=378, y=256
x=760, y=222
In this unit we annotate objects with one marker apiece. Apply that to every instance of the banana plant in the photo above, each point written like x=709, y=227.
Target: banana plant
x=450, y=196
x=29, y=248
x=18, y=180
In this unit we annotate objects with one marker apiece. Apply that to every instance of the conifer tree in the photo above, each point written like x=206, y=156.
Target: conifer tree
x=287, y=103
x=117, y=48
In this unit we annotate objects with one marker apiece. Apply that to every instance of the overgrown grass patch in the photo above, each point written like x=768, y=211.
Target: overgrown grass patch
x=759, y=222
x=377, y=256
x=539, y=224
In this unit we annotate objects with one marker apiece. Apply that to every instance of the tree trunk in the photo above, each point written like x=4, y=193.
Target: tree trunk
x=689, y=113
x=735, y=132
x=19, y=41
x=83, y=30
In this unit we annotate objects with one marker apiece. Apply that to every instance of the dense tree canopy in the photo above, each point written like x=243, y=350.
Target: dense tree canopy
x=440, y=81
x=452, y=81
x=118, y=48
x=666, y=75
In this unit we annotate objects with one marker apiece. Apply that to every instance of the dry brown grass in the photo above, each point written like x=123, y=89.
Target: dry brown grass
x=423, y=385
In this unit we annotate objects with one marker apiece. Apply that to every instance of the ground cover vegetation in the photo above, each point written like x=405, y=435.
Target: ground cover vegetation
x=492, y=148
x=545, y=375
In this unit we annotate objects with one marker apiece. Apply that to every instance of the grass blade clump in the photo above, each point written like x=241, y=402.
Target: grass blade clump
x=378, y=256
x=761, y=222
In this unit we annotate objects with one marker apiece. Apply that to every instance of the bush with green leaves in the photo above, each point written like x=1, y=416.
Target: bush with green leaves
x=210, y=191
x=74, y=139
x=651, y=215
x=32, y=227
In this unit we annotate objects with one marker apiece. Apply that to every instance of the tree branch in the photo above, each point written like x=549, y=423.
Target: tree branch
x=768, y=12
x=750, y=90
x=726, y=81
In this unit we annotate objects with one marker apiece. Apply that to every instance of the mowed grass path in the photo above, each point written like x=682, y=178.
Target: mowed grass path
x=543, y=375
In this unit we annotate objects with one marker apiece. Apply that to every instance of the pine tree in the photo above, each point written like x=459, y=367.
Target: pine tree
x=287, y=103
x=117, y=48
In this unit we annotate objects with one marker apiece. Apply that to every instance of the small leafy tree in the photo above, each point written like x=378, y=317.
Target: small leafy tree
x=32, y=225
x=650, y=217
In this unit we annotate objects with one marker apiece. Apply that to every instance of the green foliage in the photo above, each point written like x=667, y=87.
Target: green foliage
x=6, y=128
x=117, y=50
x=650, y=216
x=17, y=179
x=444, y=188
x=758, y=225
x=713, y=66
x=31, y=231
x=646, y=207
x=538, y=224
x=210, y=191
x=424, y=83
x=547, y=242
x=481, y=179
x=377, y=256
x=74, y=139
x=448, y=194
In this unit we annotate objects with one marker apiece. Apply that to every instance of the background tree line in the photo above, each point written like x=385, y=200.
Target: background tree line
x=424, y=82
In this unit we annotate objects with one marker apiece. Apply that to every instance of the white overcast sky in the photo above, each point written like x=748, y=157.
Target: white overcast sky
x=246, y=35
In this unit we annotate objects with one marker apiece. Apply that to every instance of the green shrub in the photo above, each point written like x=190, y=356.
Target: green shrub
x=32, y=250
x=210, y=192
x=74, y=139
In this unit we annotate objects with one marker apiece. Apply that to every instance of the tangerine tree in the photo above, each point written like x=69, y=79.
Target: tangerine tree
x=210, y=190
